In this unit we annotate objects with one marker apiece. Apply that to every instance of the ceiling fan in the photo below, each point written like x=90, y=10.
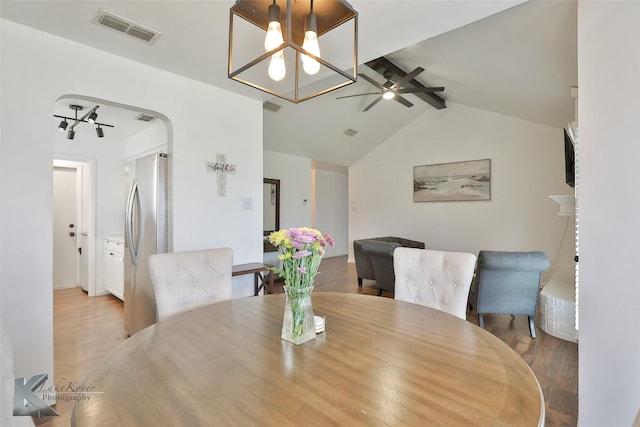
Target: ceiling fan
x=390, y=90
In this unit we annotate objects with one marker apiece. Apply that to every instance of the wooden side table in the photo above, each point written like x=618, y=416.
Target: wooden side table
x=263, y=277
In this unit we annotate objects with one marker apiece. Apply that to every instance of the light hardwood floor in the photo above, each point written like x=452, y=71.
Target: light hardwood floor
x=85, y=329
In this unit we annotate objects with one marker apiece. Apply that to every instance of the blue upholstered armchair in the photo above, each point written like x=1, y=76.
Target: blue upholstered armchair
x=509, y=283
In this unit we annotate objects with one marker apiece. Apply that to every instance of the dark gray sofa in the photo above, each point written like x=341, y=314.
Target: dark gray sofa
x=374, y=259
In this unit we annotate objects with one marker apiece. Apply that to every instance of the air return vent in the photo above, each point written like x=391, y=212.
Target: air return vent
x=271, y=106
x=109, y=20
x=144, y=118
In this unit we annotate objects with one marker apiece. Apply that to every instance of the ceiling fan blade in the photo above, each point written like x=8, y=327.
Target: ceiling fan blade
x=402, y=101
x=420, y=89
x=360, y=94
x=407, y=78
x=378, y=99
x=370, y=80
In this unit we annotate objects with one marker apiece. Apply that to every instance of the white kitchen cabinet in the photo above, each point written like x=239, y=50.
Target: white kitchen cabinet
x=114, y=265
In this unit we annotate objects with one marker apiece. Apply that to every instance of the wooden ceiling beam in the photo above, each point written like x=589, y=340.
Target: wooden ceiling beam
x=382, y=64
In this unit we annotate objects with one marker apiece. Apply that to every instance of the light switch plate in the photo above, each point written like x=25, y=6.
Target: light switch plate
x=247, y=203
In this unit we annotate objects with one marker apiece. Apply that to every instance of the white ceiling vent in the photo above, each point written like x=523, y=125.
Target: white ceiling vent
x=109, y=20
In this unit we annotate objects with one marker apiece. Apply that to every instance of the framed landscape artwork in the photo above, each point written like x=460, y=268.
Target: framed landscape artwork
x=469, y=180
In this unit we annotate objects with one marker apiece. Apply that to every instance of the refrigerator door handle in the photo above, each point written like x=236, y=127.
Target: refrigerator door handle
x=133, y=241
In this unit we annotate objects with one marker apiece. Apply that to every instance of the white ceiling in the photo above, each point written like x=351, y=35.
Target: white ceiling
x=520, y=60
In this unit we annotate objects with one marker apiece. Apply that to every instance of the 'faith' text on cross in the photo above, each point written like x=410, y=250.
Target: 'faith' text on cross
x=221, y=168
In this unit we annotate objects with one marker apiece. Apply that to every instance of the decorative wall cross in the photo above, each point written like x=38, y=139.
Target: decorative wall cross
x=221, y=168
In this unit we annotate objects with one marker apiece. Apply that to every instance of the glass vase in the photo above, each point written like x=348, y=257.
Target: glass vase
x=298, y=325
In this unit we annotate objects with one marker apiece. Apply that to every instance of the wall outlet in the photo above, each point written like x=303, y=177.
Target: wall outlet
x=247, y=203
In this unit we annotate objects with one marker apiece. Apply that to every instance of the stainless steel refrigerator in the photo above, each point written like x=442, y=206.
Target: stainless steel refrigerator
x=146, y=233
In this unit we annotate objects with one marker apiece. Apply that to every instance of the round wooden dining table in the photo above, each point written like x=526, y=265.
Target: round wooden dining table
x=379, y=362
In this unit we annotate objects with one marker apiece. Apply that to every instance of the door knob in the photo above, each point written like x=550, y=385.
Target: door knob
x=71, y=233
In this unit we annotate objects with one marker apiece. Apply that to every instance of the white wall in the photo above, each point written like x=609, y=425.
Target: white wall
x=34, y=74
x=609, y=350
x=294, y=173
x=152, y=139
x=527, y=165
x=331, y=212
x=323, y=186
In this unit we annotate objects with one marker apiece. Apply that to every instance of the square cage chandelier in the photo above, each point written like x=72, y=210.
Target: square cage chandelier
x=293, y=49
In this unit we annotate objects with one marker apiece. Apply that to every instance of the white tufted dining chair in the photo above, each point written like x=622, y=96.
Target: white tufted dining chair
x=436, y=279
x=186, y=280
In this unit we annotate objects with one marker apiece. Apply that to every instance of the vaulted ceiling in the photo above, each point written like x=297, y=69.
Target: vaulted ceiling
x=509, y=57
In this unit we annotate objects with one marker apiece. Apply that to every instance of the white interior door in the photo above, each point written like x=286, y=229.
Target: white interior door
x=65, y=230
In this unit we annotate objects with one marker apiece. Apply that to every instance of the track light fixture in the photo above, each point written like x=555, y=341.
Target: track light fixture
x=90, y=117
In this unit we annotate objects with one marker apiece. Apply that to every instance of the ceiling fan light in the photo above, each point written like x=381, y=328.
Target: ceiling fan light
x=389, y=94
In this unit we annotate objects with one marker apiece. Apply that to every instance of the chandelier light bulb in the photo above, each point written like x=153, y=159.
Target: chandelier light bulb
x=274, y=37
x=310, y=44
x=277, y=68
